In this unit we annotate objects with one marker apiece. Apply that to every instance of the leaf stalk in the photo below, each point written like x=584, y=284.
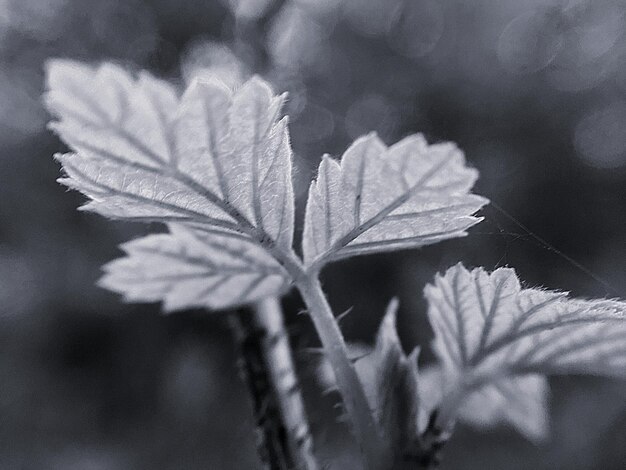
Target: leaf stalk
x=375, y=452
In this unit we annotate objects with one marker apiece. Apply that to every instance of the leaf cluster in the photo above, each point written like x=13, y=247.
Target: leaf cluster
x=214, y=163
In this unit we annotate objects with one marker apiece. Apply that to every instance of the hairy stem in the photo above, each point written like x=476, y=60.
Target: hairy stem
x=377, y=456
x=281, y=370
x=272, y=445
x=283, y=438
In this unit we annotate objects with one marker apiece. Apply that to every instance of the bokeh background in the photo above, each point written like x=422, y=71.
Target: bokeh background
x=533, y=90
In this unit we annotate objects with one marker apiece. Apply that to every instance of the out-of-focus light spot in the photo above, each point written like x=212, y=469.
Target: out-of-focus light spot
x=530, y=42
x=601, y=29
x=41, y=20
x=249, y=9
x=416, y=27
x=295, y=38
x=314, y=123
x=21, y=113
x=599, y=137
x=370, y=17
x=371, y=113
x=205, y=58
x=588, y=54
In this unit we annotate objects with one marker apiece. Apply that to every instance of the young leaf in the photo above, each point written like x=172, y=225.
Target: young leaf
x=390, y=380
x=381, y=198
x=488, y=330
x=215, y=158
x=190, y=268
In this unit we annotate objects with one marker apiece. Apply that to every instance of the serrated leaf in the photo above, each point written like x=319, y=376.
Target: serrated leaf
x=214, y=157
x=216, y=160
x=489, y=330
x=188, y=268
x=381, y=198
x=390, y=380
x=490, y=323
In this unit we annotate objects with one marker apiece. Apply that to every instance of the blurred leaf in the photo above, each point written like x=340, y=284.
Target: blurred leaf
x=521, y=401
x=381, y=198
x=492, y=336
x=390, y=381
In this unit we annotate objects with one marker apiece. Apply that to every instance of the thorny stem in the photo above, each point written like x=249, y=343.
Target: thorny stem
x=271, y=440
x=377, y=456
x=281, y=369
x=283, y=438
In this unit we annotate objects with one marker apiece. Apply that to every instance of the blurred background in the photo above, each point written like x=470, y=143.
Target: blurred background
x=534, y=91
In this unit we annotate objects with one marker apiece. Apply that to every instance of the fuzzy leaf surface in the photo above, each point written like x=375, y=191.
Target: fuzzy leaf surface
x=380, y=198
x=189, y=268
x=215, y=158
x=492, y=336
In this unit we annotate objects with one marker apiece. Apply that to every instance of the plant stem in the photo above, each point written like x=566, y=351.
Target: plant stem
x=283, y=438
x=281, y=370
x=377, y=456
x=271, y=443
x=431, y=443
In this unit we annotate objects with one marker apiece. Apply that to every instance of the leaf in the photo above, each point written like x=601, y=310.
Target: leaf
x=189, y=268
x=381, y=198
x=213, y=157
x=520, y=401
x=492, y=335
x=389, y=378
x=215, y=160
x=489, y=322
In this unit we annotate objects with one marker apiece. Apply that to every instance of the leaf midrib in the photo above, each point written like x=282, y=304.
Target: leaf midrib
x=376, y=219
